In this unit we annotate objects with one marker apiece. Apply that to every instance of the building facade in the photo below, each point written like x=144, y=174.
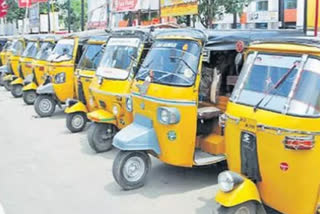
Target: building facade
x=267, y=14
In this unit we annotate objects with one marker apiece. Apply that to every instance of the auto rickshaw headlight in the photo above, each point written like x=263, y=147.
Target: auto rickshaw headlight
x=168, y=116
x=60, y=78
x=228, y=180
x=129, y=104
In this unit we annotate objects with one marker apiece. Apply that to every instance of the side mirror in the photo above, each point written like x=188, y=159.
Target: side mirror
x=238, y=61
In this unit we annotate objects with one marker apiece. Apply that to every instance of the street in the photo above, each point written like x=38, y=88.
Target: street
x=44, y=169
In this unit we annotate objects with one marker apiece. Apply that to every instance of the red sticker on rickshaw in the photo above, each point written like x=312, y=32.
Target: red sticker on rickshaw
x=284, y=166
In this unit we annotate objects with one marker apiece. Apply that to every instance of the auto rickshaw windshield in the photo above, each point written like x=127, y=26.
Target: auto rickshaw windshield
x=7, y=46
x=117, y=60
x=63, y=51
x=45, y=50
x=17, y=48
x=31, y=50
x=91, y=57
x=173, y=62
x=297, y=94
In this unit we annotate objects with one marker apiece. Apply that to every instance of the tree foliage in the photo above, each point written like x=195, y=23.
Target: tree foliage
x=211, y=9
x=14, y=13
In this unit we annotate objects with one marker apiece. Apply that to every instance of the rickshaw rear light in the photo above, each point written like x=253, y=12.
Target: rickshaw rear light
x=41, y=68
x=28, y=65
x=299, y=142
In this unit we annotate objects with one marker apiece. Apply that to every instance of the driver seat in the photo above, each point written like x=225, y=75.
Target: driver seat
x=207, y=113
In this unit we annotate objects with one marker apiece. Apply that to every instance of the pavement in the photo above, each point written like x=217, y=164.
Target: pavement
x=44, y=169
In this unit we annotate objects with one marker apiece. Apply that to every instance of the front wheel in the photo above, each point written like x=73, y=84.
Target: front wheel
x=29, y=97
x=76, y=121
x=245, y=208
x=7, y=85
x=130, y=169
x=16, y=90
x=45, y=105
x=100, y=136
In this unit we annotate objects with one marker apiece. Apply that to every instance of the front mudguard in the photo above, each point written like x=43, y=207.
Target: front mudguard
x=28, y=79
x=18, y=81
x=138, y=136
x=244, y=192
x=30, y=87
x=77, y=107
x=102, y=116
x=45, y=89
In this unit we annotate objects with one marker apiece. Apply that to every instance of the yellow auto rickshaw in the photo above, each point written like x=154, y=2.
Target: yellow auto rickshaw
x=4, y=56
x=178, y=95
x=272, y=130
x=77, y=109
x=12, y=71
x=124, y=52
x=25, y=65
x=40, y=73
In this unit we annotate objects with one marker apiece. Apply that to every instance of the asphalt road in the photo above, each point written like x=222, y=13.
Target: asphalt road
x=44, y=169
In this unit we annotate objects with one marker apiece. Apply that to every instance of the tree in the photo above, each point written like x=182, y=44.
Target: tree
x=75, y=13
x=14, y=13
x=210, y=9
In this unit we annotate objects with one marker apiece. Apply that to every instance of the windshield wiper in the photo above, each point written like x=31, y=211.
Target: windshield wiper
x=276, y=86
x=184, y=62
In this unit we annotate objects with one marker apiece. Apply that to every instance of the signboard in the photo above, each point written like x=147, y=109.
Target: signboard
x=263, y=16
x=3, y=8
x=178, y=7
x=125, y=5
x=34, y=16
x=28, y=3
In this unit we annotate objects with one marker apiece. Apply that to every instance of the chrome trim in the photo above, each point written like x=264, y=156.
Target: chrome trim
x=108, y=93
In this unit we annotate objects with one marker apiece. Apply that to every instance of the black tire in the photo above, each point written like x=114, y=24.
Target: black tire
x=121, y=166
x=76, y=121
x=100, y=136
x=7, y=85
x=16, y=90
x=29, y=97
x=245, y=208
x=1, y=80
x=45, y=105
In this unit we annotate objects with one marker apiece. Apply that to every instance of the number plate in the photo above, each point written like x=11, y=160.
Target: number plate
x=248, y=124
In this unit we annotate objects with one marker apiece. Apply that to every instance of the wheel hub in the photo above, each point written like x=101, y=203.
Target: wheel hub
x=45, y=105
x=134, y=169
x=243, y=210
x=77, y=121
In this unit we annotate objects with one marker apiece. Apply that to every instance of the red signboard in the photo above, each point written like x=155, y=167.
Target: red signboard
x=124, y=5
x=28, y=3
x=3, y=8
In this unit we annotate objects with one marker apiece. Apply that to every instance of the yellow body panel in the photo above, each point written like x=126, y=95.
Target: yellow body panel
x=246, y=191
x=30, y=87
x=40, y=68
x=102, y=116
x=18, y=81
x=85, y=77
x=296, y=189
x=113, y=92
x=5, y=56
x=78, y=107
x=14, y=61
x=181, y=151
x=26, y=66
x=66, y=90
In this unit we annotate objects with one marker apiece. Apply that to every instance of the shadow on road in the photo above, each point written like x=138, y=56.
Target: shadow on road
x=166, y=180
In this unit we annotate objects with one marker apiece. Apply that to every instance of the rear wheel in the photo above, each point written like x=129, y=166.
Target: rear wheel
x=16, y=90
x=100, y=136
x=7, y=85
x=29, y=97
x=130, y=169
x=245, y=208
x=45, y=105
x=76, y=121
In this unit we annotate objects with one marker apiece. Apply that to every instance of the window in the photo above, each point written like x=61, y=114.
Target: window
x=290, y=4
x=262, y=6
